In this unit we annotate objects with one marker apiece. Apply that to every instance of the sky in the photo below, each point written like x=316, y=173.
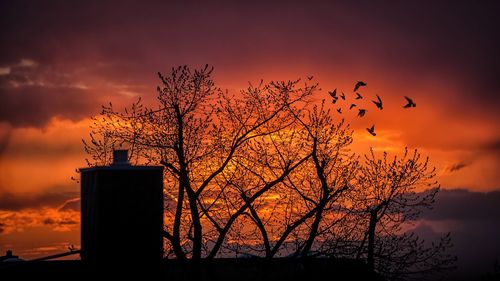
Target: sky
x=61, y=60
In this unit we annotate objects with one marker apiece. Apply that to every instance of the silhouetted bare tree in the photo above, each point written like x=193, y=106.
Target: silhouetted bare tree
x=392, y=195
x=198, y=132
x=268, y=172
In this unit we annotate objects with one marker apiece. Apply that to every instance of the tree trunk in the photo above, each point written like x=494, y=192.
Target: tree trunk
x=176, y=241
x=314, y=230
x=197, y=228
x=371, y=239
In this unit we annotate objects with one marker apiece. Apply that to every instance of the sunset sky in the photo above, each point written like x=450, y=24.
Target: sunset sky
x=60, y=61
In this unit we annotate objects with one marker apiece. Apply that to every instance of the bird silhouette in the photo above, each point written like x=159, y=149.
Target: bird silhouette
x=371, y=130
x=333, y=93
x=310, y=77
x=378, y=103
x=339, y=110
x=361, y=112
x=358, y=96
x=352, y=105
x=342, y=95
x=359, y=84
x=410, y=103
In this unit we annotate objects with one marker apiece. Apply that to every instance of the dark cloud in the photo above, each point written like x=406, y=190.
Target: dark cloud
x=493, y=146
x=17, y=202
x=474, y=218
x=35, y=105
x=49, y=221
x=450, y=39
x=60, y=222
x=475, y=244
x=5, y=135
x=453, y=42
x=457, y=167
x=463, y=205
x=32, y=95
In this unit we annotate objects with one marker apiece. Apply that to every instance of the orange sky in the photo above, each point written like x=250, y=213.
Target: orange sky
x=60, y=63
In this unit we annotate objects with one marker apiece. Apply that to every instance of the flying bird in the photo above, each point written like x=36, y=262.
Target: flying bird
x=358, y=96
x=359, y=84
x=339, y=110
x=410, y=103
x=361, y=112
x=352, y=105
x=378, y=103
x=371, y=130
x=333, y=94
x=310, y=77
x=342, y=95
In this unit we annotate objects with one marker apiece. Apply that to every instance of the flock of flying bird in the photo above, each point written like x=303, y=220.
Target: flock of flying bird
x=361, y=112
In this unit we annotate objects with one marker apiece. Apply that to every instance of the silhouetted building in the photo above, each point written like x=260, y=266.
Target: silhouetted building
x=122, y=211
x=9, y=257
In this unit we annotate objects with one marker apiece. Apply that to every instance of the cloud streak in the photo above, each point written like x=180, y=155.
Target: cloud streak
x=456, y=167
x=16, y=202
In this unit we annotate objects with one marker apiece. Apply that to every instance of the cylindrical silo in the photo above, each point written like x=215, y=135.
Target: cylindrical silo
x=122, y=212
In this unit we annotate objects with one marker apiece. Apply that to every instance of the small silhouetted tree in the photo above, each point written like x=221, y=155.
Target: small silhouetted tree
x=392, y=193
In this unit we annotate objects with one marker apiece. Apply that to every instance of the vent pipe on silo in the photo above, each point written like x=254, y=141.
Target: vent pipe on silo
x=120, y=157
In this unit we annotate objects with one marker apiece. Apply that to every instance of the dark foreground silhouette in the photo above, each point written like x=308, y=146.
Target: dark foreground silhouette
x=218, y=269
